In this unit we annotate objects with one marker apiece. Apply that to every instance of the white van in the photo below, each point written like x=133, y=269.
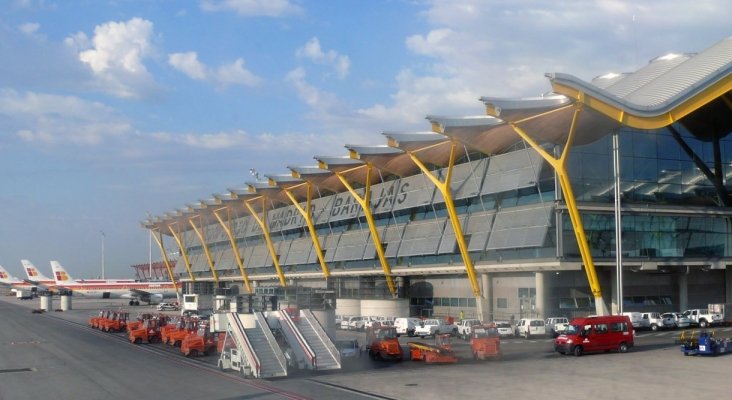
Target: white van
x=406, y=326
x=636, y=319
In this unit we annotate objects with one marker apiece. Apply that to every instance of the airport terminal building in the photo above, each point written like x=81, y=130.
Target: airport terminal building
x=505, y=215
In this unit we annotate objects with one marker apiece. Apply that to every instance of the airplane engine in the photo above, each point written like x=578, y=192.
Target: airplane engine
x=156, y=298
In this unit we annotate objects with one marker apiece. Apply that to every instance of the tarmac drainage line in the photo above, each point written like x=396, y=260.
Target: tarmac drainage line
x=347, y=389
x=7, y=371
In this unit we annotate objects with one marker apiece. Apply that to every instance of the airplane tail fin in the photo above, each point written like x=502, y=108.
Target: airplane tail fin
x=5, y=276
x=59, y=273
x=32, y=272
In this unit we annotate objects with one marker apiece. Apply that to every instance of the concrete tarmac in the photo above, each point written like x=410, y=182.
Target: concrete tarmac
x=56, y=354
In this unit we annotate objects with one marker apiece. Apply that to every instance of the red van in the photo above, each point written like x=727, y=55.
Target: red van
x=593, y=334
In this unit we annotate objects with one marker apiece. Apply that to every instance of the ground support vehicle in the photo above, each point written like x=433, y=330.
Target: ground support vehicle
x=705, y=345
x=382, y=343
x=201, y=342
x=485, y=343
x=149, y=332
x=172, y=325
x=596, y=334
x=440, y=352
x=465, y=327
x=116, y=323
x=94, y=321
x=680, y=321
x=132, y=325
x=176, y=336
x=703, y=317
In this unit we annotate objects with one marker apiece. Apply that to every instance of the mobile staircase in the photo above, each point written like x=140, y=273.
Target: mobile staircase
x=250, y=348
x=312, y=347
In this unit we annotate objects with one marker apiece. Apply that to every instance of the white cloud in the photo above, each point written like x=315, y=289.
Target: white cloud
x=236, y=74
x=226, y=75
x=312, y=96
x=116, y=56
x=49, y=119
x=29, y=28
x=252, y=8
x=188, y=64
x=431, y=45
x=312, y=51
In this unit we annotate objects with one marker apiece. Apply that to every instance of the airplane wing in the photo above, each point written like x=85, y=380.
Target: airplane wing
x=146, y=296
x=39, y=285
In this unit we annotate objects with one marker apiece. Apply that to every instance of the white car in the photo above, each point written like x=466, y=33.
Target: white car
x=680, y=320
x=555, y=326
x=528, y=327
x=432, y=327
x=353, y=324
x=167, y=307
x=406, y=326
x=348, y=348
x=504, y=328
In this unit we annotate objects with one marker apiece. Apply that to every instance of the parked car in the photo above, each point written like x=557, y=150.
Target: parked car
x=168, y=307
x=353, y=324
x=528, y=327
x=655, y=321
x=636, y=319
x=504, y=328
x=348, y=349
x=680, y=320
x=432, y=327
x=406, y=326
x=465, y=327
x=555, y=326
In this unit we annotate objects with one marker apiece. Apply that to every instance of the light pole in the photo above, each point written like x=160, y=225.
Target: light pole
x=102, y=232
x=150, y=247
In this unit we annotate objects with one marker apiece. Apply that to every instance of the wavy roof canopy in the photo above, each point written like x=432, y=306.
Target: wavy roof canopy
x=694, y=90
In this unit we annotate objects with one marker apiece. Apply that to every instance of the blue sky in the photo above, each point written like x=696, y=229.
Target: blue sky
x=112, y=109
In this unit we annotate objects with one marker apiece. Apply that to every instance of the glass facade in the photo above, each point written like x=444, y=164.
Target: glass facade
x=656, y=172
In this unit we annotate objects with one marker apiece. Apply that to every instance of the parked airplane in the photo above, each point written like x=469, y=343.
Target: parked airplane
x=149, y=292
x=14, y=283
x=35, y=276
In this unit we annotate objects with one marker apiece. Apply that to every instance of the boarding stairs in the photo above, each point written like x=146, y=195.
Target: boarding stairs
x=311, y=346
x=259, y=347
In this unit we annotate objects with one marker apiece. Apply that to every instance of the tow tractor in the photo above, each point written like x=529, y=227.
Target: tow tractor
x=176, y=336
x=115, y=323
x=132, y=325
x=440, y=352
x=704, y=345
x=94, y=321
x=382, y=342
x=149, y=332
x=199, y=343
x=485, y=342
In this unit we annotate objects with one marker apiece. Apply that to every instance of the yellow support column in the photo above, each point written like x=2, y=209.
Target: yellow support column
x=199, y=233
x=559, y=166
x=365, y=203
x=445, y=190
x=263, y=224
x=159, y=240
x=308, y=215
x=183, y=253
x=234, y=248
